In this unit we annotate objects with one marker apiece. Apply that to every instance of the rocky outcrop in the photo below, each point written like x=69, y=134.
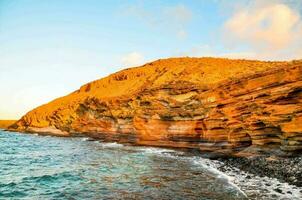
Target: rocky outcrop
x=203, y=103
x=6, y=123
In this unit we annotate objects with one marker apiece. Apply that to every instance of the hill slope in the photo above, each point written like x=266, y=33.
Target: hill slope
x=6, y=123
x=204, y=103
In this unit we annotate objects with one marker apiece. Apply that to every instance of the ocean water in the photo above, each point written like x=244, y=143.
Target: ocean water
x=43, y=167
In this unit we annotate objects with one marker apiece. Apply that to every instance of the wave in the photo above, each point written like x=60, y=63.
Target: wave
x=211, y=166
x=87, y=139
x=249, y=184
x=111, y=144
x=154, y=150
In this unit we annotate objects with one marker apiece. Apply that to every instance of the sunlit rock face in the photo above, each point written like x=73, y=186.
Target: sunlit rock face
x=6, y=123
x=211, y=104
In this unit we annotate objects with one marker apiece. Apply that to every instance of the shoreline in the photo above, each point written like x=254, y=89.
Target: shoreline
x=286, y=170
x=279, y=175
x=254, y=160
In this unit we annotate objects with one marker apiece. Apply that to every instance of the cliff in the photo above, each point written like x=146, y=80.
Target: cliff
x=210, y=104
x=6, y=123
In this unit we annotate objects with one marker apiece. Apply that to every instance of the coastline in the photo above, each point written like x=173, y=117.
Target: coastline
x=243, y=108
x=212, y=150
x=284, y=169
x=254, y=187
x=263, y=162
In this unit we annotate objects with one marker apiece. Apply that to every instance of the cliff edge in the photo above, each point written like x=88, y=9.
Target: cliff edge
x=210, y=104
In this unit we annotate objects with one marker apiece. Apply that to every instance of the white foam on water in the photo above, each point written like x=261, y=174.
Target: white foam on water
x=85, y=139
x=111, y=145
x=247, y=184
x=253, y=186
x=269, y=185
x=154, y=150
x=206, y=163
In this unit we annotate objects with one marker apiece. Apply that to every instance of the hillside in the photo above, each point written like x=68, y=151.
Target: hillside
x=204, y=103
x=6, y=123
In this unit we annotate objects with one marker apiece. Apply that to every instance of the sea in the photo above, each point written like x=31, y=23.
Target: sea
x=45, y=167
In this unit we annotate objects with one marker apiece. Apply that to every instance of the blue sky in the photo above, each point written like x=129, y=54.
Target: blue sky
x=49, y=48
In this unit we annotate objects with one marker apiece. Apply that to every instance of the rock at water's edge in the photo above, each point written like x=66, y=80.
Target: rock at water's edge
x=200, y=103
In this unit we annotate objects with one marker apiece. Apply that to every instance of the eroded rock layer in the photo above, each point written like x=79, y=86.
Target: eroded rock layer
x=204, y=103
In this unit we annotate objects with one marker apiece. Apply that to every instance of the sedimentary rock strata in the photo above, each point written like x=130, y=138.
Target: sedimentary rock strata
x=204, y=103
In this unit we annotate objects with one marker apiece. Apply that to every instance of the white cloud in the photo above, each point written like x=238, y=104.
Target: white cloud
x=133, y=59
x=270, y=30
x=172, y=19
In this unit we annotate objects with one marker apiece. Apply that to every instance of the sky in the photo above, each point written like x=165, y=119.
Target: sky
x=49, y=48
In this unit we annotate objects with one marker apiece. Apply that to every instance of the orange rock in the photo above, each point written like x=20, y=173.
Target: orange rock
x=211, y=104
x=6, y=123
x=295, y=125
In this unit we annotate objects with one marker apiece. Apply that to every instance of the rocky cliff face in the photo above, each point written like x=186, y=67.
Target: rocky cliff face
x=204, y=103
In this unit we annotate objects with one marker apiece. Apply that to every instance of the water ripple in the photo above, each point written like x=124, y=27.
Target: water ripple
x=37, y=167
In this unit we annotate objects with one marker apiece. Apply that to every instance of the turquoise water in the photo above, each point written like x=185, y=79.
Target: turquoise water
x=37, y=167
